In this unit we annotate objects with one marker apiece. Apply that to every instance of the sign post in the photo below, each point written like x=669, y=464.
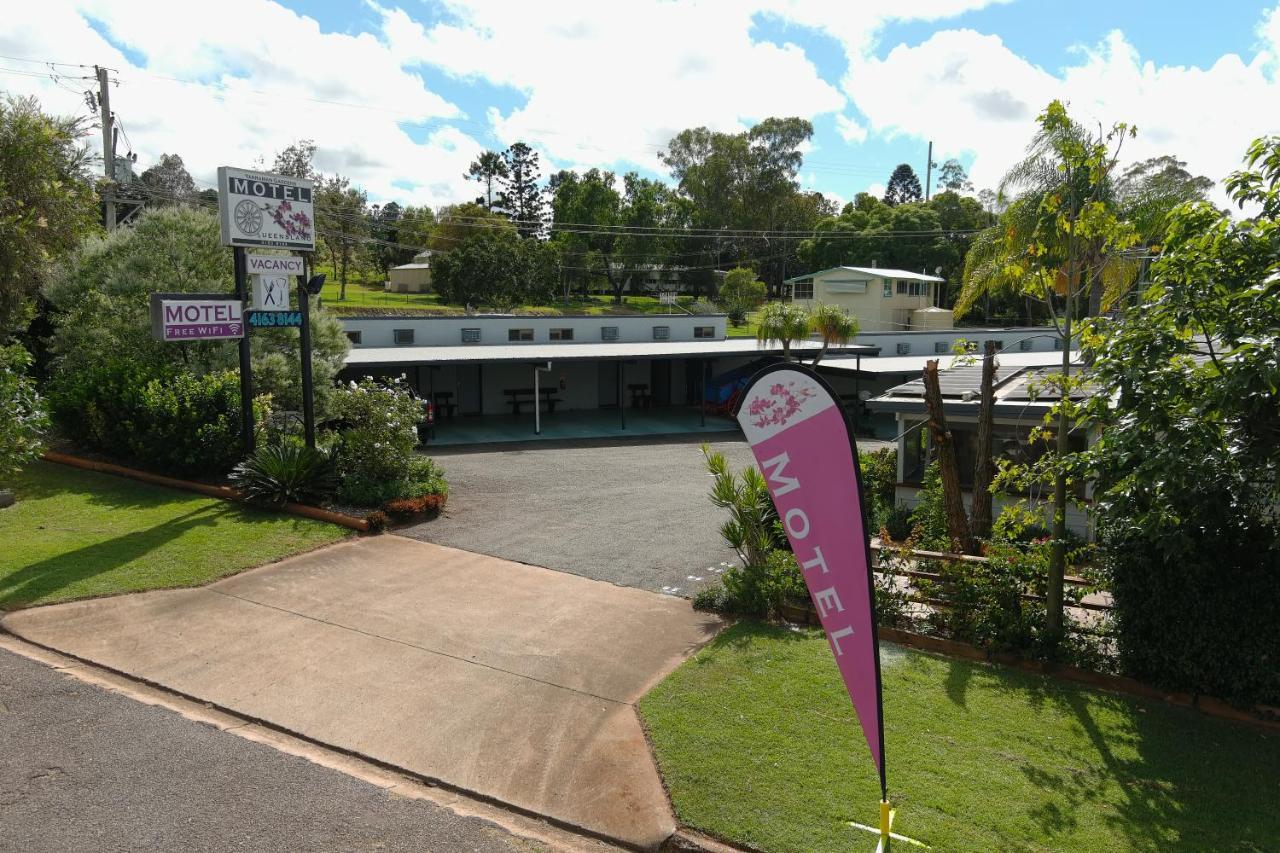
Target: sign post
x=246, y=357
x=260, y=209
x=308, y=393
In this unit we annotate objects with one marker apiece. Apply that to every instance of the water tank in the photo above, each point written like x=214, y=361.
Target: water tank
x=930, y=319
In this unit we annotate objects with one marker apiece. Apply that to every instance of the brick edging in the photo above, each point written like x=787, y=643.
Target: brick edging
x=225, y=493
x=1103, y=681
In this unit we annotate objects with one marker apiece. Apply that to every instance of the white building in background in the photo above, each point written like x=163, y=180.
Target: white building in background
x=413, y=277
x=883, y=300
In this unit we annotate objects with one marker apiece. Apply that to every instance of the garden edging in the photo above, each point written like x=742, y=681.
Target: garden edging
x=225, y=493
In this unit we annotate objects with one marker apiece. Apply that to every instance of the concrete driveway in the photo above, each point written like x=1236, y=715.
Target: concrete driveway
x=505, y=680
x=635, y=514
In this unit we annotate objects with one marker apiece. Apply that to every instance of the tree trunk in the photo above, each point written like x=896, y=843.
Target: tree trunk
x=614, y=284
x=1054, y=593
x=983, y=464
x=952, y=496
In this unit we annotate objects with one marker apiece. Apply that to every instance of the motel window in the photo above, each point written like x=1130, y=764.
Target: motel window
x=471, y=336
x=402, y=336
x=519, y=334
x=941, y=347
x=562, y=334
x=802, y=289
x=904, y=349
x=704, y=331
x=1025, y=344
x=888, y=288
x=999, y=345
x=662, y=333
x=913, y=288
x=608, y=333
x=354, y=337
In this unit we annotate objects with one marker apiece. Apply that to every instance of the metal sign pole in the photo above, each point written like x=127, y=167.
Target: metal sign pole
x=308, y=392
x=246, y=363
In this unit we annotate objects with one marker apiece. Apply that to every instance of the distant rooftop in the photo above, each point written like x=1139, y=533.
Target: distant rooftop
x=874, y=272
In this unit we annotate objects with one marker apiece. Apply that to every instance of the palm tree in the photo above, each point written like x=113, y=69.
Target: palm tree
x=783, y=322
x=834, y=325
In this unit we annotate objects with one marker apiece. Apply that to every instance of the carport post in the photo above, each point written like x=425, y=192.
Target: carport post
x=622, y=402
x=537, y=410
x=857, y=396
x=702, y=395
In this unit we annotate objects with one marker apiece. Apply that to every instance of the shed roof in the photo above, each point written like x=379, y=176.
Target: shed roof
x=908, y=364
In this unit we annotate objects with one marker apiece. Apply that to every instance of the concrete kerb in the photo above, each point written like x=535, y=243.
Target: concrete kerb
x=396, y=781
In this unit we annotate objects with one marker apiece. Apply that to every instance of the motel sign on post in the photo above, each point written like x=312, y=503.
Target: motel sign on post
x=261, y=209
x=196, y=317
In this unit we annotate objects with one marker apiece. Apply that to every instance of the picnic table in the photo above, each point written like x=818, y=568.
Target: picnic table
x=640, y=396
x=445, y=407
x=517, y=397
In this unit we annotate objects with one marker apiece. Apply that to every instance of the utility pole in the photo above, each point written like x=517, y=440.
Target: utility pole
x=928, y=173
x=108, y=149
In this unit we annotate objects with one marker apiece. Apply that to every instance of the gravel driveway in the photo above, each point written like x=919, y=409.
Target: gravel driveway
x=635, y=514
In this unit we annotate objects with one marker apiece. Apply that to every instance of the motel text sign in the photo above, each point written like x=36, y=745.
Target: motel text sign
x=196, y=317
x=260, y=209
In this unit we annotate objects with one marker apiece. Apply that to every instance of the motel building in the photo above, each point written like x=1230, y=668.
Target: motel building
x=601, y=375
x=499, y=377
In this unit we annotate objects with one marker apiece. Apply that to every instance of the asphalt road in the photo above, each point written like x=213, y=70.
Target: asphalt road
x=635, y=514
x=85, y=769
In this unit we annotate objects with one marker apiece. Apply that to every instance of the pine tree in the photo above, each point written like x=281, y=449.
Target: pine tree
x=521, y=198
x=903, y=186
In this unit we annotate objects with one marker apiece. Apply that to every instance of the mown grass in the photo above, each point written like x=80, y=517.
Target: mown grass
x=758, y=744
x=366, y=292
x=80, y=534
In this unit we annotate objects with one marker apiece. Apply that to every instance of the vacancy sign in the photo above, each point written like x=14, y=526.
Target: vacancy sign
x=196, y=317
x=262, y=209
x=804, y=445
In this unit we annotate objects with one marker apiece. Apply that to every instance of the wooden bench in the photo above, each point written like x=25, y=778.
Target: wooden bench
x=445, y=407
x=517, y=397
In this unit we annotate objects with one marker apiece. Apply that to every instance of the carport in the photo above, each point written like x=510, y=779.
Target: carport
x=516, y=392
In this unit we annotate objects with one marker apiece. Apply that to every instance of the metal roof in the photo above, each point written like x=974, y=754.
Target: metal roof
x=961, y=387
x=906, y=364
x=413, y=267
x=876, y=272
x=583, y=351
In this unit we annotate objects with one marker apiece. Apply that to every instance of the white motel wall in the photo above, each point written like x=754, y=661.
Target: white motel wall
x=492, y=329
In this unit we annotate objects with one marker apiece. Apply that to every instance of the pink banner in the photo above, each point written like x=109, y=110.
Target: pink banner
x=805, y=448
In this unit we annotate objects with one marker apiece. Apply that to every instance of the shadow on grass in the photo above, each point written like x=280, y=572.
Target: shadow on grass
x=1166, y=778
x=48, y=480
x=38, y=581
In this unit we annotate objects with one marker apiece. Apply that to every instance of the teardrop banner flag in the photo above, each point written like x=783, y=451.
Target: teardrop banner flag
x=805, y=447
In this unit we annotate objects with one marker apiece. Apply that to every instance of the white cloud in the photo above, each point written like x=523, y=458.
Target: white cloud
x=267, y=76
x=612, y=82
x=850, y=130
x=969, y=92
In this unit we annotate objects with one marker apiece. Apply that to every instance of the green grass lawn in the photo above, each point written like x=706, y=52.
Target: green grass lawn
x=78, y=534
x=364, y=294
x=758, y=744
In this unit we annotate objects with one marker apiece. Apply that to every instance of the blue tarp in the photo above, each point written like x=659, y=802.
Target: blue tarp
x=724, y=387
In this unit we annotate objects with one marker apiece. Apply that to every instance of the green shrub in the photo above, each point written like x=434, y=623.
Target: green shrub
x=178, y=423
x=22, y=412
x=710, y=598
x=759, y=591
x=283, y=473
x=376, y=435
x=898, y=523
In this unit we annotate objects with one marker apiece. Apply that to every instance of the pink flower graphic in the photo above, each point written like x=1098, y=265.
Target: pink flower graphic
x=781, y=405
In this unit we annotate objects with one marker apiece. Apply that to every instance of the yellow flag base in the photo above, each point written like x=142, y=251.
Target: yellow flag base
x=885, y=829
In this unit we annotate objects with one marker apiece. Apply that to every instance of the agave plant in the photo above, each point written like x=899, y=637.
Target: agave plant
x=276, y=475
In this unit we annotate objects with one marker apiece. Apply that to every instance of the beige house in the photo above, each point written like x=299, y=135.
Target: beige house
x=883, y=300
x=413, y=277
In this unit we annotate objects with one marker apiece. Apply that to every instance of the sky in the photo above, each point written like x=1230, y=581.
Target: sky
x=401, y=96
